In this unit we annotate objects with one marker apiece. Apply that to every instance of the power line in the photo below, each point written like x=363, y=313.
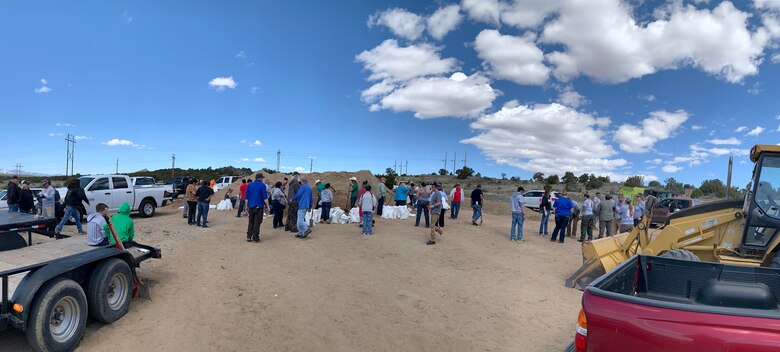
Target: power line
x=18, y=169
x=70, y=153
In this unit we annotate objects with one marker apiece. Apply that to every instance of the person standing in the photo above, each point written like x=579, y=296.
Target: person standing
x=73, y=200
x=574, y=219
x=517, y=206
x=456, y=195
x=596, y=200
x=278, y=203
x=361, y=191
x=327, y=203
x=13, y=193
x=616, y=209
x=588, y=218
x=192, y=201
x=242, y=197
x=203, y=195
x=626, y=218
x=353, y=193
x=423, y=199
x=639, y=209
x=411, y=194
x=292, y=213
x=26, y=199
x=444, y=203
x=606, y=215
x=303, y=197
x=435, y=209
x=47, y=199
x=319, y=186
x=476, y=204
x=563, y=207
x=257, y=203
x=367, y=205
x=401, y=194
x=381, y=193
x=545, y=208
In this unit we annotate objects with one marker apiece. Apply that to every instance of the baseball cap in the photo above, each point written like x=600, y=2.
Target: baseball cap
x=259, y=176
x=45, y=182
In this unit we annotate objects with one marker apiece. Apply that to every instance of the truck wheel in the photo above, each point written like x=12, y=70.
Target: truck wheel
x=58, y=316
x=147, y=208
x=681, y=254
x=110, y=289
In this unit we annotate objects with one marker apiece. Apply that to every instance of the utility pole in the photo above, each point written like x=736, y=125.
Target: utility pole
x=445, y=160
x=278, y=159
x=728, y=178
x=117, y=166
x=173, y=164
x=454, y=159
x=407, y=168
x=395, y=167
x=465, y=154
x=70, y=153
x=18, y=169
x=311, y=164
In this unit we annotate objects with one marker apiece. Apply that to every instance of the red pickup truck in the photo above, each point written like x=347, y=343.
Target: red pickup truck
x=651, y=303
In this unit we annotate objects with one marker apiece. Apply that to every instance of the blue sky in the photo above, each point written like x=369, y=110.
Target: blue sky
x=657, y=88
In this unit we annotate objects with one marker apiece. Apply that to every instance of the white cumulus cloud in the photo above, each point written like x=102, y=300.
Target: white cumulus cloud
x=116, y=142
x=391, y=62
x=697, y=127
x=443, y=21
x=403, y=23
x=741, y=129
x=670, y=169
x=42, y=90
x=569, y=97
x=222, y=83
x=659, y=126
x=728, y=141
x=756, y=131
x=517, y=59
x=256, y=143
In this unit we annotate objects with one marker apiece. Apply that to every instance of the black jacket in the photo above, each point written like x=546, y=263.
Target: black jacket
x=26, y=201
x=14, y=193
x=75, y=196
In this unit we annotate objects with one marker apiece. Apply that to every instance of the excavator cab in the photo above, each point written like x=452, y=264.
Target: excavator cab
x=761, y=204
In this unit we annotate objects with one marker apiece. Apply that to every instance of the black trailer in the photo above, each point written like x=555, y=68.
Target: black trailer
x=49, y=288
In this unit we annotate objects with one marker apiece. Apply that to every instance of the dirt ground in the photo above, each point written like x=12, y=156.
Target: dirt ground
x=336, y=291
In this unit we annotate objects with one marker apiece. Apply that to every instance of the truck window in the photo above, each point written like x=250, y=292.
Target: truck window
x=84, y=181
x=119, y=182
x=220, y=180
x=100, y=184
x=767, y=191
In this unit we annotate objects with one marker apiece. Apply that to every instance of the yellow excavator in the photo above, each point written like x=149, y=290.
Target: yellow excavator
x=742, y=231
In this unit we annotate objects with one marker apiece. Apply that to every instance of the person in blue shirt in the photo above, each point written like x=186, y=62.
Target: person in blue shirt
x=257, y=203
x=400, y=194
x=563, y=206
x=303, y=197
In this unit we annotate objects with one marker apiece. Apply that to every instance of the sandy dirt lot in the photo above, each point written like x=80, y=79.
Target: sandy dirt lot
x=335, y=291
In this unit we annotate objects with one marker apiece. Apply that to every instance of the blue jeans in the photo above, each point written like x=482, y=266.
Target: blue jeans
x=422, y=208
x=302, y=224
x=477, y=212
x=543, y=224
x=517, y=223
x=367, y=215
x=561, y=221
x=203, y=212
x=13, y=208
x=454, y=210
x=70, y=211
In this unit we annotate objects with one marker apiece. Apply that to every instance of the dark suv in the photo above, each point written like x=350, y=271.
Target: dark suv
x=179, y=184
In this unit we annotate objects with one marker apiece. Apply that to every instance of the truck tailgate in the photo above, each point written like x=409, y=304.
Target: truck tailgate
x=613, y=323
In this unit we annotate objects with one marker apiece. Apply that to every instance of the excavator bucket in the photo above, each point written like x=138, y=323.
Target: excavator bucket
x=599, y=257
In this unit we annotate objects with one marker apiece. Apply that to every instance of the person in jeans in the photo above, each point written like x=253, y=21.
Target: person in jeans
x=326, y=200
x=278, y=203
x=242, y=198
x=588, y=218
x=545, y=208
x=616, y=209
x=626, y=218
x=381, y=193
x=353, y=192
x=574, y=219
x=639, y=209
x=401, y=194
x=563, y=207
x=606, y=215
x=192, y=201
x=456, y=195
x=204, y=194
x=292, y=213
x=13, y=193
x=367, y=205
x=47, y=198
x=304, y=199
x=517, y=206
x=73, y=200
x=435, y=208
x=476, y=204
x=423, y=198
x=444, y=200
x=96, y=234
x=257, y=203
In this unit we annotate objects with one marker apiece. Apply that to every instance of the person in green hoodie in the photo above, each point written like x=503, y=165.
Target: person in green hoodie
x=123, y=225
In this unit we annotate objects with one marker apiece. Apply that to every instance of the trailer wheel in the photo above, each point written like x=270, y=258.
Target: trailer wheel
x=110, y=289
x=681, y=254
x=147, y=208
x=58, y=316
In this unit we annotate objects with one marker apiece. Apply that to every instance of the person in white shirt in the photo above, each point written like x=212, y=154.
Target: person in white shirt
x=588, y=219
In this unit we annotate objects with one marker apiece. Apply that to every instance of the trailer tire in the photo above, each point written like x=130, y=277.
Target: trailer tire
x=58, y=317
x=681, y=254
x=110, y=290
x=146, y=208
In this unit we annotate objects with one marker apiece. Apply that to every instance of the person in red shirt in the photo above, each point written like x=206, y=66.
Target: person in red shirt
x=455, y=197
x=242, y=203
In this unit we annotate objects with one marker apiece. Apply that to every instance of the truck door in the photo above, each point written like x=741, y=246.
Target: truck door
x=121, y=192
x=98, y=192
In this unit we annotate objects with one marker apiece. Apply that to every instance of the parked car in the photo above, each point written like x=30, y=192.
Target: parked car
x=534, y=198
x=668, y=206
x=223, y=182
x=179, y=184
x=113, y=190
x=150, y=182
x=651, y=303
x=4, y=197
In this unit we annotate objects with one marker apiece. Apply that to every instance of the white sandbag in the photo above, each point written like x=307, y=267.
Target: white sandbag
x=212, y=206
x=335, y=214
x=224, y=205
x=317, y=214
x=388, y=212
x=403, y=213
x=354, y=215
x=343, y=219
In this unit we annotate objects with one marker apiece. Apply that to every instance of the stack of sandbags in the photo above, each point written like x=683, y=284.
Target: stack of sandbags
x=225, y=205
x=395, y=212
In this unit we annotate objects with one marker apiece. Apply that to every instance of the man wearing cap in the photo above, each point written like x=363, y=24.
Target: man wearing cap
x=257, y=203
x=292, y=213
x=319, y=187
x=456, y=195
x=381, y=193
x=47, y=198
x=303, y=198
x=13, y=194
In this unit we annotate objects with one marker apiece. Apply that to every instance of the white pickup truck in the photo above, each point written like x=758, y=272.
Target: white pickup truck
x=113, y=190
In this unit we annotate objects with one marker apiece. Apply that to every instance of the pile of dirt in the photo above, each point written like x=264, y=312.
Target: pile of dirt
x=339, y=181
